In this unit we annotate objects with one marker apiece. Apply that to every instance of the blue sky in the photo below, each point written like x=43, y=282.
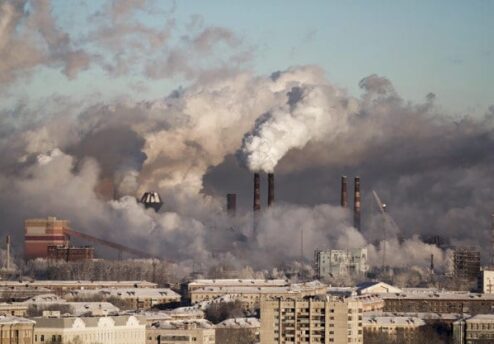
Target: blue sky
x=444, y=47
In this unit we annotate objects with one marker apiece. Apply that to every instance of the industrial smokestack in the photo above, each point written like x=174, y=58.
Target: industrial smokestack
x=257, y=192
x=344, y=193
x=356, y=203
x=7, y=242
x=231, y=204
x=270, y=189
x=492, y=241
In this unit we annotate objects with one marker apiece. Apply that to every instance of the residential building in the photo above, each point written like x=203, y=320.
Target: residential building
x=14, y=309
x=134, y=298
x=227, y=331
x=181, y=332
x=62, y=287
x=392, y=326
x=335, y=263
x=486, y=281
x=318, y=320
x=109, y=330
x=16, y=330
x=466, y=263
x=473, y=330
x=250, y=296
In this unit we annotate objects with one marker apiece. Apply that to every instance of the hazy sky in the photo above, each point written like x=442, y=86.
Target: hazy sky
x=444, y=47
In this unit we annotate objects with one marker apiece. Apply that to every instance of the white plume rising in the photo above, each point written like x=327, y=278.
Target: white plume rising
x=311, y=112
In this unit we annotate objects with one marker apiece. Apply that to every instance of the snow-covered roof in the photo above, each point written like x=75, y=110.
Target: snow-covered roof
x=182, y=324
x=239, y=323
x=7, y=320
x=372, y=320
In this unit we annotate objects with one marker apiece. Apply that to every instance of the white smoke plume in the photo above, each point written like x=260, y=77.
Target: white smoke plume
x=311, y=110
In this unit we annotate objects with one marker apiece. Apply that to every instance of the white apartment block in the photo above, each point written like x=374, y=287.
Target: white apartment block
x=108, y=330
x=334, y=263
x=320, y=320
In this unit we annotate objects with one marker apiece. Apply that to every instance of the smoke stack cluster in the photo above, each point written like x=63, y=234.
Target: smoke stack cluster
x=231, y=204
x=356, y=203
x=344, y=193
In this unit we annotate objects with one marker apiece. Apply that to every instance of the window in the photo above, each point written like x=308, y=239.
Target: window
x=42, y=337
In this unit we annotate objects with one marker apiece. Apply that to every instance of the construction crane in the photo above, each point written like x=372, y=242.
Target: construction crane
x=388, y=223
x=120, y=248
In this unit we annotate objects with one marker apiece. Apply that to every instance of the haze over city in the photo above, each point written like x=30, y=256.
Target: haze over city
x=133, y=122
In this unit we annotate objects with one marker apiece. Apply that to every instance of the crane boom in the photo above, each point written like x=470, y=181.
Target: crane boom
x=118, y=247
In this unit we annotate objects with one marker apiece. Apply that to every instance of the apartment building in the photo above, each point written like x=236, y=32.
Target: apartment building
x=318, y=320
x=473, y=330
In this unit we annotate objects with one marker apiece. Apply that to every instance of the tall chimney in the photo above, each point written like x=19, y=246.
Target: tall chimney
x=231, y=204
x=344, y=193
x=492, y=241
x=257, y=192
x=356, y=203
x=7, y=242
x=270, y=189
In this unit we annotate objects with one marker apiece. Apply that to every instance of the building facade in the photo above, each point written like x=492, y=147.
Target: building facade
x=477, y=329
x=334, y=263
x=320, y=320
x=16, y=330
x=466, y=263
x=70, y=253
x=108, y=330
x=41, y=233
x=228, y=330
x=486, y=281
x=251, y=296
x=181, y=332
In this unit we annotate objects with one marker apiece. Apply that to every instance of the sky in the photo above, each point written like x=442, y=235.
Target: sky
x=443, y=47
x=104, y=100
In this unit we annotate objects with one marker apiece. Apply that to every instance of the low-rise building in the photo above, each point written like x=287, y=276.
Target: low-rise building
x=228, y=331
x=318, y=320
x=109, y=330
x=134, y=298
x=335, y=263
x=62, y=287
x=473, y=330
x=250, y=296
x=438, y=302
x=48, y=301
x=16, y=330
x=14, y=309
x=391, y=326
x=181, y=332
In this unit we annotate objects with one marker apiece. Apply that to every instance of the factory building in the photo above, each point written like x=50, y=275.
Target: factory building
x=318, y=320
x=181, y=332
x=41, y=233
x=466, y=263
x=70, y=253
x=335, y=263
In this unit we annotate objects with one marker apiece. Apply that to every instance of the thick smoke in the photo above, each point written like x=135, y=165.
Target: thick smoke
x=312, y=110
x=86, y=160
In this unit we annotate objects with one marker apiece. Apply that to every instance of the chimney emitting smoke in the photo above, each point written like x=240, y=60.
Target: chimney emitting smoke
x=257, y=192
x=231, y=204
x=356, y=203
x=344, y=193
x=270, y=189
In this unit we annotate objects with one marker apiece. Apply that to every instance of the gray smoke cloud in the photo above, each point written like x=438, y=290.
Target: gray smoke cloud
x=87, y=160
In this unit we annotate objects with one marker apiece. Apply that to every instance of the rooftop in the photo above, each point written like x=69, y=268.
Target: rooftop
x=369, y=320
x=239, y=323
